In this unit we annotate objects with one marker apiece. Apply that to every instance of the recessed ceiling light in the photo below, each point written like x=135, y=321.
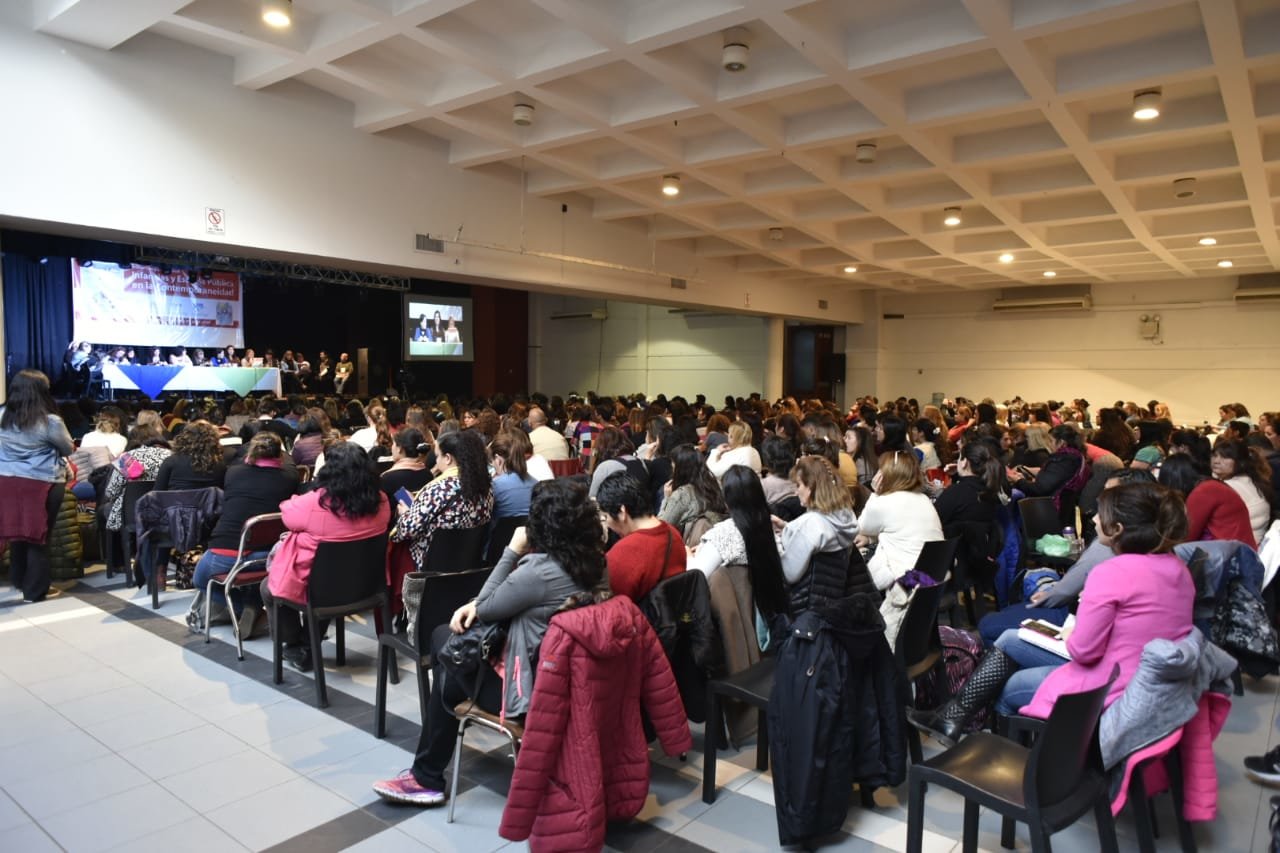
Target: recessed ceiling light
x=775, y=234
x=1208, y=241
x=1146, y=104
x=951, y=216
x=671, y=185
x=1049, y=273
x=277, y=13
x=1225, y=264
x=851, y=269
x=1006, y=258
x=522, y=115
x=865, y=152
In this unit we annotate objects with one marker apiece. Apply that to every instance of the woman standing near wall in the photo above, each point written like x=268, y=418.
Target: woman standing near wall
x=33, y=440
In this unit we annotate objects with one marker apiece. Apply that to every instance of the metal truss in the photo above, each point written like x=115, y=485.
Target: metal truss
x=283, y=270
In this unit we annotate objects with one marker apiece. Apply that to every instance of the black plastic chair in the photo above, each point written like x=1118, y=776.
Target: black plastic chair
x=937, y=559
x=1040, y=518
x=157, y=539
x=258, y=534
x=918, y=650
x=456, y=549
x=1048, y=787
x=753, y=687
x=500, y=537
x=441, y=595
x=133, y=490
x=346, y=578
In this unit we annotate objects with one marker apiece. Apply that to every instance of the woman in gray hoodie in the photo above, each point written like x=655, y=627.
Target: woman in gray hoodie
x=828, y=526
x=560, y=553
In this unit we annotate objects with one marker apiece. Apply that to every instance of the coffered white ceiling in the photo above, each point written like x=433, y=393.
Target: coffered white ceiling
x=1019, y=112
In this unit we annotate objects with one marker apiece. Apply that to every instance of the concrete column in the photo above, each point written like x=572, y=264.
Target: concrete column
x=775, y=341
x=862, y=351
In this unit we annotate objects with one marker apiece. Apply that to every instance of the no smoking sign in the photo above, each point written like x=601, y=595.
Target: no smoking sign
x=215, y=220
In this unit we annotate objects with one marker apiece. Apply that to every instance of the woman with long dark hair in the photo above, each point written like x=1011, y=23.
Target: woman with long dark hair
x=558, y=556
x=33, y=442
x=1249, y=476
x=891, y=435
x=745, y=538
x=860, y=444
x=1214, y=509
x=974, y=496
x=462, y=496
x=345, y=505
x=1112, y=434
x=1152, y=441
x=691, y=492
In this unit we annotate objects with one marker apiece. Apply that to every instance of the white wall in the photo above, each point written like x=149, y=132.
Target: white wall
x=1213, y=350
x=139, y=140
x=645, y=348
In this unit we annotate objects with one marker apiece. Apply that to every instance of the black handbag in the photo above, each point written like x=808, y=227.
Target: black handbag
x=466, y=656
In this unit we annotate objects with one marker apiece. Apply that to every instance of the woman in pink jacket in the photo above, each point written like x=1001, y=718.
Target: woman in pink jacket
x=346, y=504
x=1143, y=593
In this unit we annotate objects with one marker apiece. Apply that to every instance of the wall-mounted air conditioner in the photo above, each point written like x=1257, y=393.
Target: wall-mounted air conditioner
x=1264, y=287
x=1066, y=297
x=694, y=313
x=593, y=314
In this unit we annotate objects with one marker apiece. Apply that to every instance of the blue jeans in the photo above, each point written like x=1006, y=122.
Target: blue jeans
x=1035, y=665
x=215, y=564
x=993, y=625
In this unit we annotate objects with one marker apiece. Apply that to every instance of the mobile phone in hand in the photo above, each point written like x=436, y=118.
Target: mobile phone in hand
x=404, y=496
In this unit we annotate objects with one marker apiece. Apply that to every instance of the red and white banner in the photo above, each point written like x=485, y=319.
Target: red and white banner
x=143, y=306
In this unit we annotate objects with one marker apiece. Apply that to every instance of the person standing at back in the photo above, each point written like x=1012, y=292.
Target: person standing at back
x=33, y=440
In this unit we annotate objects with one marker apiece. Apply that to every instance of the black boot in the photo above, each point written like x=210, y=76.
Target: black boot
x=983, y=686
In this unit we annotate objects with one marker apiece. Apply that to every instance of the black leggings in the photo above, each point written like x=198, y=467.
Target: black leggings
x=28, y=562
x=440, y=728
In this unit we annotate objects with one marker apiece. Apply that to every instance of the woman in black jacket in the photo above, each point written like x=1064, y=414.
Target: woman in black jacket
x=256, y=487
x=1065, y=472
x=975, y=494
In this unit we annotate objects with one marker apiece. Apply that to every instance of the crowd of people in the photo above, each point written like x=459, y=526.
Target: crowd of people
x=796, y=491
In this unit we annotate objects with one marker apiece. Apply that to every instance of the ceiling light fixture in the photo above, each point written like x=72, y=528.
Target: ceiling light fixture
x=1146, y=104
x=737, y=49
x=1184, y=188
x=951, y=216
x=671, y=185
x=1225, y=264
x=865, y=152
x=851, y=269
x=1050, y=274
x=522, y=115
x=277, y=13
x=1208, y=241
x=1006, y=258
x=775, y=234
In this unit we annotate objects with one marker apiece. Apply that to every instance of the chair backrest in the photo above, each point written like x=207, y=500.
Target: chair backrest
x=918, y=636
x=304, y=474
x=1039, y=518
x=500, y=536
x=937, y=558
x=133, y=490
x=1067, y=750
x=348, y=572
x=261, y=532
x=565, y=467
x=456, y=549
x=441, y=595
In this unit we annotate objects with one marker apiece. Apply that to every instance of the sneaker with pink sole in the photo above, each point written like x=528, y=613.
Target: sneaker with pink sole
x=405, y=789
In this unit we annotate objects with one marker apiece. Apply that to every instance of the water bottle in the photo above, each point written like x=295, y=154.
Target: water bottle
x=1069, y=533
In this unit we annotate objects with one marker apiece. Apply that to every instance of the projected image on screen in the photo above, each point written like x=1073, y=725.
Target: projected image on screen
x=437, y=328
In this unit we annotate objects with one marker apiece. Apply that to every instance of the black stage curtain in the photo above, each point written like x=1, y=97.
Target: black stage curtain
x=37, y=296
x=37, y=313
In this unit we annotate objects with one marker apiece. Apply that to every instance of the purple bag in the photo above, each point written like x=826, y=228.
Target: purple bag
x=961, y=651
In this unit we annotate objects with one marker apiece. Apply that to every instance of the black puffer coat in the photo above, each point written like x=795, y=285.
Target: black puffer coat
x=679, y=609
x=835, y=716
